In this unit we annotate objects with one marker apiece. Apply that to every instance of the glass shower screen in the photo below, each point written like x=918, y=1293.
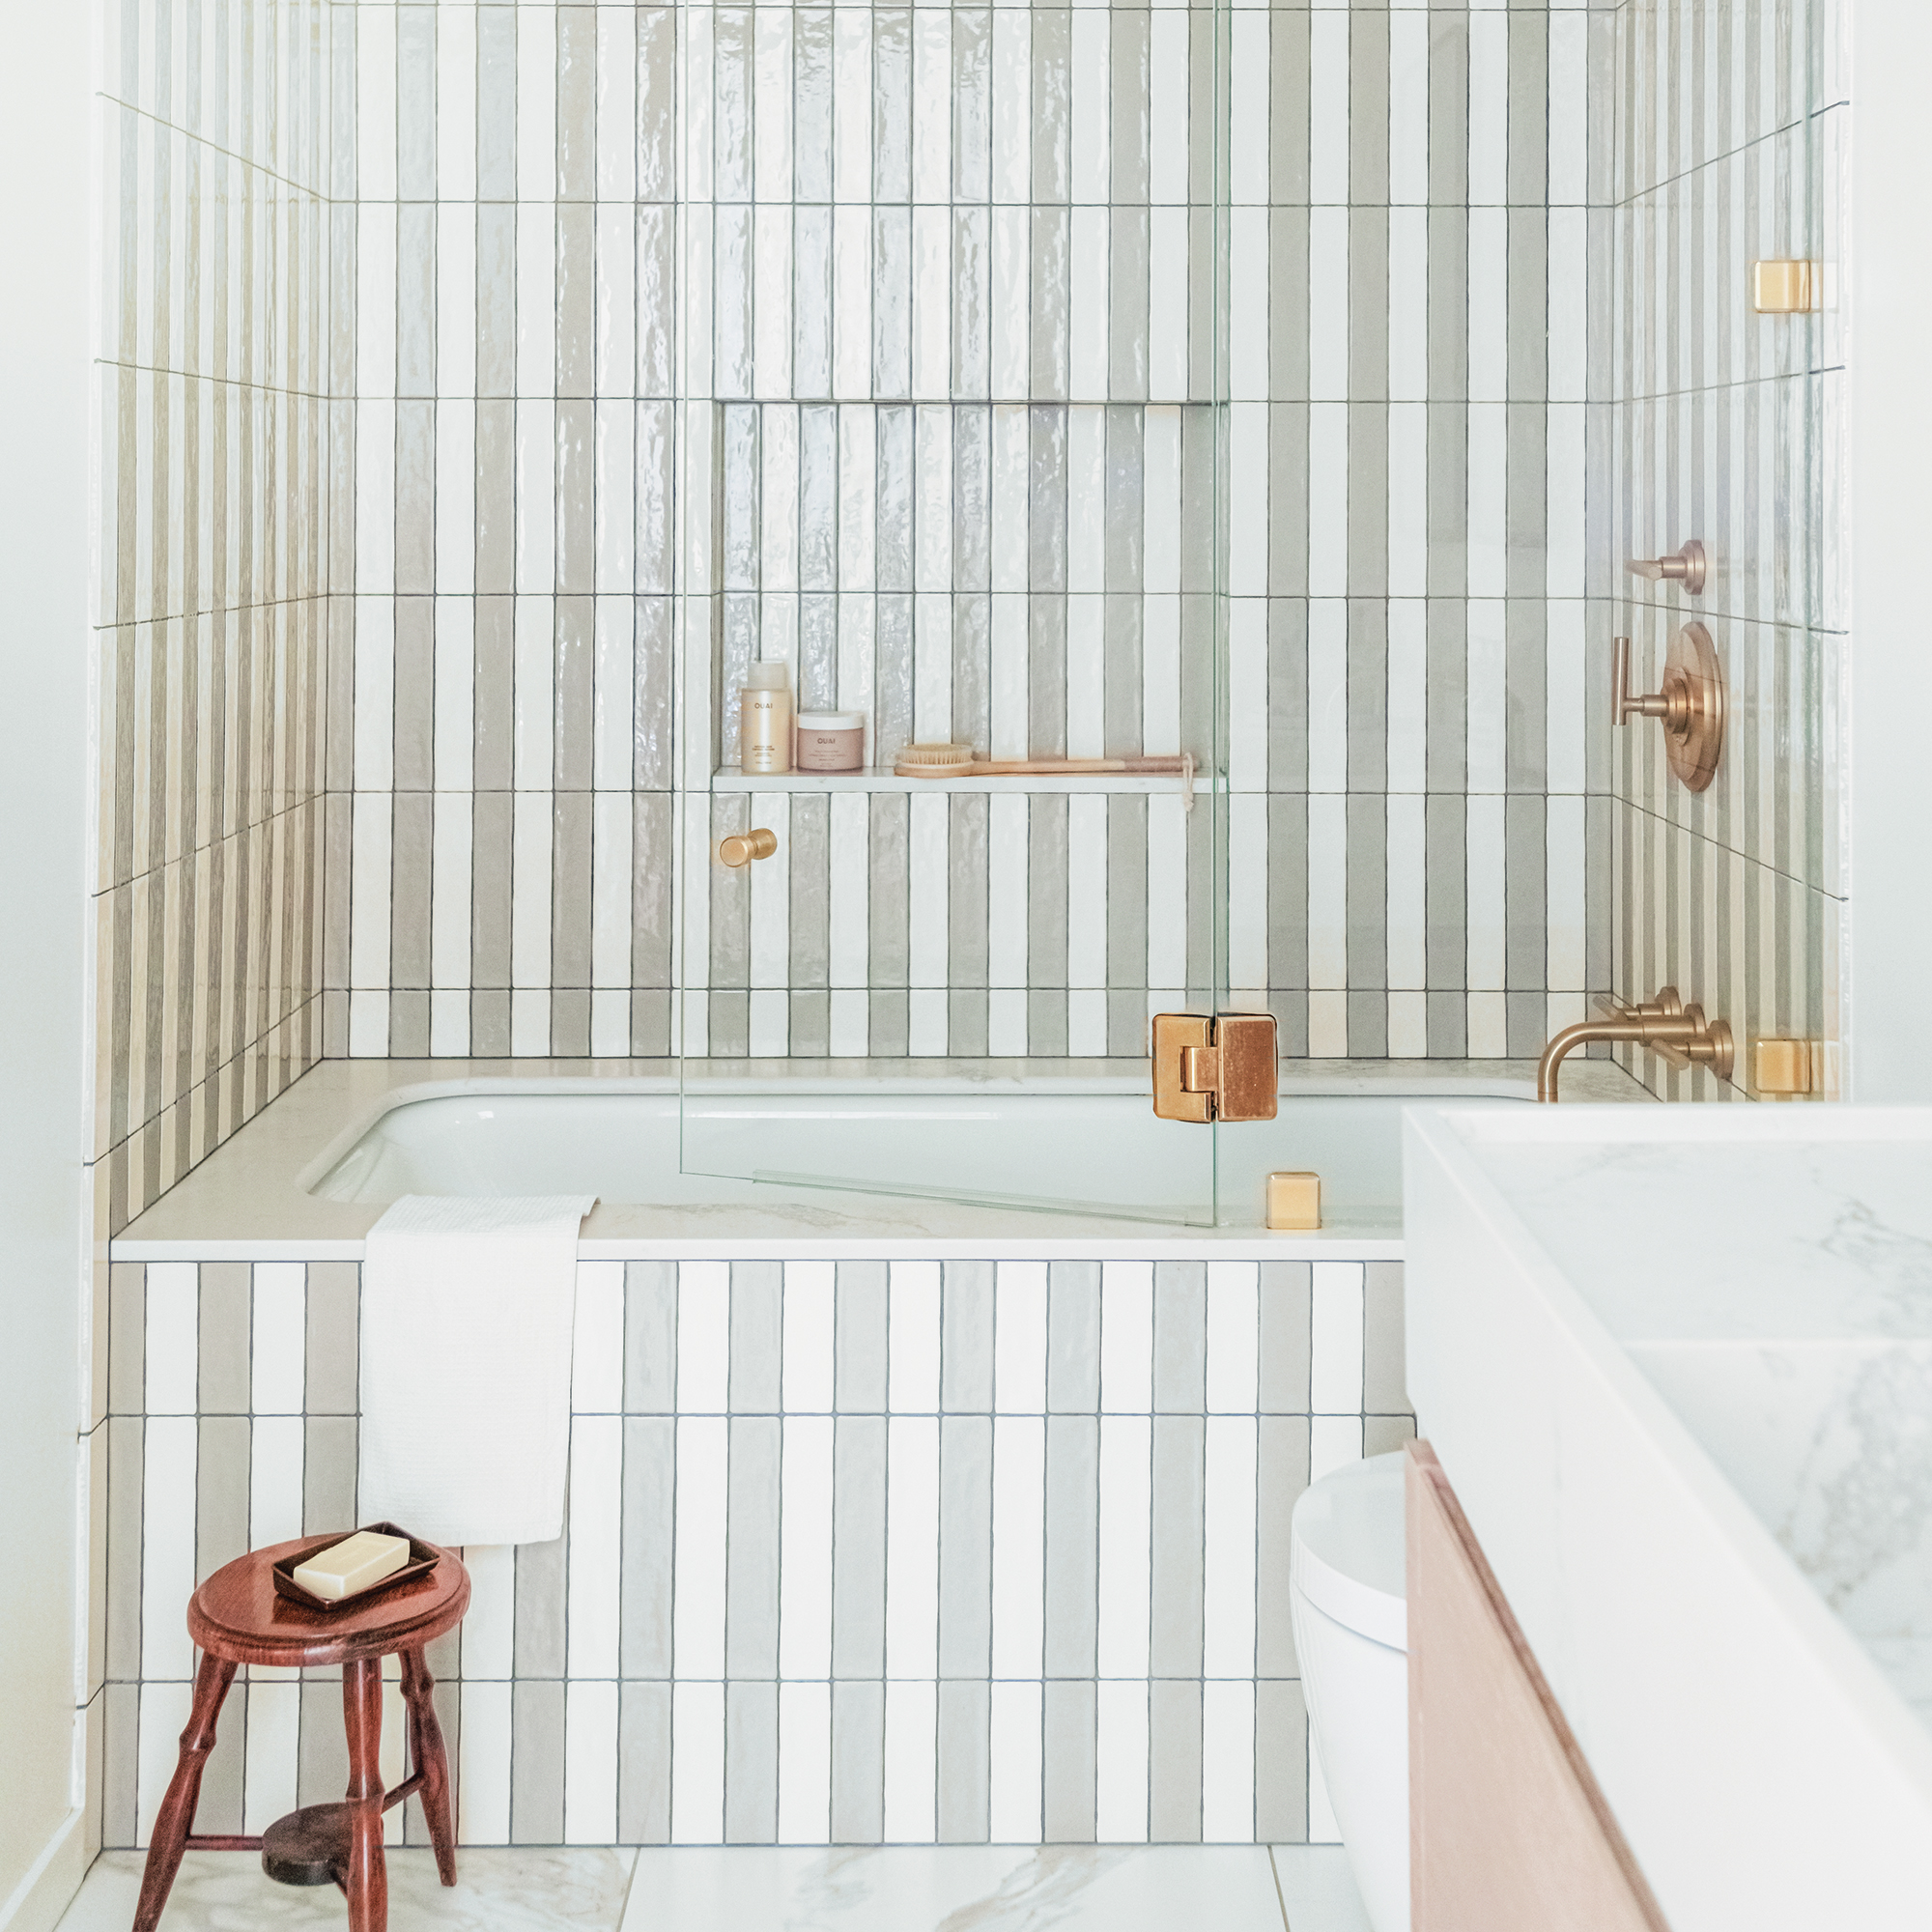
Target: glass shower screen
x=949, y=465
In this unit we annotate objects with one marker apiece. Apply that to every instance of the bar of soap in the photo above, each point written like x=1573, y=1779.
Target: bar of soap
x=353, y=1565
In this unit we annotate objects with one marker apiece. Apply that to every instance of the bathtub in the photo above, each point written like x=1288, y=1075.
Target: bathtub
x=1089, y=1148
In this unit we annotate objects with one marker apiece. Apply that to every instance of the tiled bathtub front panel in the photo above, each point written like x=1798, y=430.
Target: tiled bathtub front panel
x=855, y=1552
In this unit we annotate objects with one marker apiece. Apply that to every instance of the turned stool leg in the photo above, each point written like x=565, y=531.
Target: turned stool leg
x=176, y=1817
x=430, y=1761
x=367, y=1879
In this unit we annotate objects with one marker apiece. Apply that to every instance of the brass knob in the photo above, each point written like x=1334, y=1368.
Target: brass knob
x=1687, y=567
x=742, y=847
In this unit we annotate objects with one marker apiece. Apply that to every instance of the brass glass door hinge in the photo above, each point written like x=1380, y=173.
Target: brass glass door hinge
x=1219, y=1068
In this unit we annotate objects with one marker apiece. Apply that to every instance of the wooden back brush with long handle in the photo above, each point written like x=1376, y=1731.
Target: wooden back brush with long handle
x=957, y=761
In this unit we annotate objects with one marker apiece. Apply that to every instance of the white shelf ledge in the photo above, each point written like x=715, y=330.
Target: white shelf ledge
x=882, y=778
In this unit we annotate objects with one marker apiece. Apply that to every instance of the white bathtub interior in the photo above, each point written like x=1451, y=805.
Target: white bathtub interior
x=1077, y=1147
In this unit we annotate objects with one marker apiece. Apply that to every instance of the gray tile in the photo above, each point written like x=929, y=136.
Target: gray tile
x=331, y=1362
x=127, y=1338
x=751, y=1554
x=321, y=1763
x=1068, y=1748
x=537, y=1765
x=1383, y=1387
x=1073, y=1336
x=221, y=1493
x=751, y=1763
x=540, y=1597
x=121, y=1763
x=858, y=1550
x=329, y=1473
x=643, y=1764
x=858, y=1762
x=1281, y=1476
x=1281, y=1764
x=1179, y=1335
x=1072, y=1544
x=1174, y=1761
x=1179, y=1475
x=966, y=1336
x=650, y=1483
x=859, y=1337
x=965, y=1762
x=965, y=1546
x=125, y=1462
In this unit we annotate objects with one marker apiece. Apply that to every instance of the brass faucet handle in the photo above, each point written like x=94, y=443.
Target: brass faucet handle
x=1688, y=566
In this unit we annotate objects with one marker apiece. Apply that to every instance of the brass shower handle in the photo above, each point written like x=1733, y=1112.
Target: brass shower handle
x=1691, y=704
x=742, y=847
x=1688, y=566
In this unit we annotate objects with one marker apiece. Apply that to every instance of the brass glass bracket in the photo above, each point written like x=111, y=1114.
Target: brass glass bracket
x=1691, y=705
x=742, y=847
x=1214, y=1067
x=1678, y=1034
x=1688, y=567
x=1785, y=288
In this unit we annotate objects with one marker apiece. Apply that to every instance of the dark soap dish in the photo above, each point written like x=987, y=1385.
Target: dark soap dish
x=423, y=1558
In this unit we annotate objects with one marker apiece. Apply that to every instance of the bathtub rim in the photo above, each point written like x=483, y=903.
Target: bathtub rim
x=241, y=1204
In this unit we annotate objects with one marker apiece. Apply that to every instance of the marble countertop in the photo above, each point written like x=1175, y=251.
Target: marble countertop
x=247, y=1201
x=1678, y=1366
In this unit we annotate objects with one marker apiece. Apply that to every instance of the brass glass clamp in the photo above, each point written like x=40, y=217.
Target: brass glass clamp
x=1677, y=1034
x=1219, y=1066
x=1691, y=704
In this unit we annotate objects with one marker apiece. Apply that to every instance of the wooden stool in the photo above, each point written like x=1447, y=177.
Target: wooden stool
x=236, y=1617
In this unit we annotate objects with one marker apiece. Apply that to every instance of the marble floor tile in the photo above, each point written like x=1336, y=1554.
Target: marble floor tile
x=1318, y=1890
x=958, y=1889
x=520, y=1888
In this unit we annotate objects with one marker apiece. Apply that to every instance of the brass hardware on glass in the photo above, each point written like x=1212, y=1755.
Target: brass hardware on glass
x=742, y=847
x=1294, y=1202
x=1783, y=1067
x=1688, y=566
x=1214, y=1067
x=1691, y=704
x=1678, y=1034
x=1785, y=288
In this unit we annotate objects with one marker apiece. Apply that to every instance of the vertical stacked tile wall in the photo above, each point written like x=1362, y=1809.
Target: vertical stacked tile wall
x=855, y=1552
x=882, y=342
x=222, y=443
x=1719, y=148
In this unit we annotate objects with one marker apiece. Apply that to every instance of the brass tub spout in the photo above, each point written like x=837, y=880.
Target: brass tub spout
x=1676, y=1032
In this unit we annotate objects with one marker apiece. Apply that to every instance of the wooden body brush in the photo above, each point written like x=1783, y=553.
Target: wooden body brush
x=957, y=761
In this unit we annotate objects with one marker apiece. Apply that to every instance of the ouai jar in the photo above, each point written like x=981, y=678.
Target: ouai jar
x=831, y=741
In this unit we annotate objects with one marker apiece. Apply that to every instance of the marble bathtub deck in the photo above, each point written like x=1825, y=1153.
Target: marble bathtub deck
x=748, y=1889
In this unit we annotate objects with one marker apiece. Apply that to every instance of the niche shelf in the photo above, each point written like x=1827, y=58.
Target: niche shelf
x=882, y=778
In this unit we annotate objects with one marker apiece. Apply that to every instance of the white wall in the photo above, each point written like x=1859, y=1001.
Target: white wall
x=46, y=162
x=1888, y=506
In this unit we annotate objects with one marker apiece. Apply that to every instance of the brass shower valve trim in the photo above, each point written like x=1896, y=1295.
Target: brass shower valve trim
x=1678, y=1034
x=1691, y=704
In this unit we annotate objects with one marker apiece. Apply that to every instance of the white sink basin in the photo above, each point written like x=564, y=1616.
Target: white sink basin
x=1679, y=1369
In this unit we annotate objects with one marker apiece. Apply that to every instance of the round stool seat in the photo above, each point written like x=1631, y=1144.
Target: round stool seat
x=236, y=1615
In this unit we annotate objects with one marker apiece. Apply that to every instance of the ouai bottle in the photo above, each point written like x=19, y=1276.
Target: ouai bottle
x=764, y=721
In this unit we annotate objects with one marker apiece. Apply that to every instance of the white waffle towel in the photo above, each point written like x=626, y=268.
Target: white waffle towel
x=466, y=1314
